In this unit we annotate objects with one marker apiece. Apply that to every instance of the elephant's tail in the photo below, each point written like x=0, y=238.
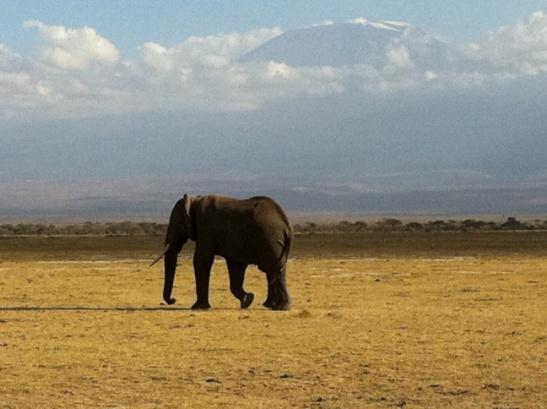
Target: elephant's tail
x=284, y=256
x=287, y=240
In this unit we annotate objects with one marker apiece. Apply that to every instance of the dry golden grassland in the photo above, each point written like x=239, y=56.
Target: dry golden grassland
x=379, y=321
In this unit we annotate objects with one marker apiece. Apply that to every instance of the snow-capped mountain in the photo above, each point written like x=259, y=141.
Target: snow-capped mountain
x=358, y=42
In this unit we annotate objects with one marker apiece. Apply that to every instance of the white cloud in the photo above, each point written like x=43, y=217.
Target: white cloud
x=74, y=49
x=385, y=25
x=399, y=56
x=358, y=20
x=21, y=88
x=204, y=73
x=80, y=73
x=521, y=48
x=280, y=71
x=9, y=59
x=208, y=52
x=157, y=57
x=430, y=76
x=282, y=80
x=227, y=45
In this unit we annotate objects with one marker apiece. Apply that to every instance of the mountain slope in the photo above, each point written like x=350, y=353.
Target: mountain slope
x=352, y=44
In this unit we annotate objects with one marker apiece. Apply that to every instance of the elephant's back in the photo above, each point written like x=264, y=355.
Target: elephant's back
x=262, y=209
x=268, y=213
x=259, y=214
x=253, y=230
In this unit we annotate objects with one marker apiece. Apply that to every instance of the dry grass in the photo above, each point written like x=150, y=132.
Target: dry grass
x=437, y=325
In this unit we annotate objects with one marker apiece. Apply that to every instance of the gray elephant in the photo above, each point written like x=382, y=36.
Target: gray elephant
x=252, y=231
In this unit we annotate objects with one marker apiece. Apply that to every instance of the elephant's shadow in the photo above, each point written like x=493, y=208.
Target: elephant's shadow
x=108, y=309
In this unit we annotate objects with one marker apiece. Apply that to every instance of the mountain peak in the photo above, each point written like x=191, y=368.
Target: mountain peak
x=382, y=25
x=355, y=42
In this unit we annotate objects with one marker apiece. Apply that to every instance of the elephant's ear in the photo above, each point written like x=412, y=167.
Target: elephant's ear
x=188, y=222
x=186, y=203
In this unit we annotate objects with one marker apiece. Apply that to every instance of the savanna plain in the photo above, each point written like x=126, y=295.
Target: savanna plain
x=379, y=320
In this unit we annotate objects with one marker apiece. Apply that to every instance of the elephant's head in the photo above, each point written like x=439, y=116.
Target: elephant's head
x=178, y=233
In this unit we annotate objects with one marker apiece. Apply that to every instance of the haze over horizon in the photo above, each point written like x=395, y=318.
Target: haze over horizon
x=346, y=113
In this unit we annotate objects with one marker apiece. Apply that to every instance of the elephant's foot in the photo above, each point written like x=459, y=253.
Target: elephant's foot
x=247, y=300
x=268, y=303
x=199, y=305
x=282, y=307
x=277, y=306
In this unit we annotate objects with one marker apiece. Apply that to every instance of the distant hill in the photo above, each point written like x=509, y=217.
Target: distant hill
x=473, y=144
x=355, y=43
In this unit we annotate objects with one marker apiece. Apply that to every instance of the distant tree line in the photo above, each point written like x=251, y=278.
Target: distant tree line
x=127, y=228
x=396, y=225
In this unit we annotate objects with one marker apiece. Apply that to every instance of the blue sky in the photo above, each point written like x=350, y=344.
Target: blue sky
x=129, y=23
x=128, y=104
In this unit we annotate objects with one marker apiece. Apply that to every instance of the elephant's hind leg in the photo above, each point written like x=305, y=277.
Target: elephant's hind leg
x=278, y=296
x=237, y=276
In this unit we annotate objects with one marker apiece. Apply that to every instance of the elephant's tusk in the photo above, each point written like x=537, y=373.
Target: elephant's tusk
x=161, y=255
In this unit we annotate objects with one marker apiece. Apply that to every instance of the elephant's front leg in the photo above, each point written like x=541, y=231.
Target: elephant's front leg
x=237, y=276
x=269, y=302
x=203, y=260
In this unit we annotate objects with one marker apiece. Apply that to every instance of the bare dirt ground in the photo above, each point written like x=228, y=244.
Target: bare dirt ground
x=425, y=321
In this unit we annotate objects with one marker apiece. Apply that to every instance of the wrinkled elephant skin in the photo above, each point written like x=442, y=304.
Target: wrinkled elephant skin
x=252, y=231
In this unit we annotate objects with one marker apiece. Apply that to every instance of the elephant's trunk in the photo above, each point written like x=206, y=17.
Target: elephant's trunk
x=170, y=262
x=177, y=235
x=173, y=247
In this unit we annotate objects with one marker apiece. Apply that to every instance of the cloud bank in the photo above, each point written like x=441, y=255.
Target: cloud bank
x=74, y=49
x=79, y=73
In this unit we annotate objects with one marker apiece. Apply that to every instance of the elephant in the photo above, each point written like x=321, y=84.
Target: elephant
x=251, y=231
